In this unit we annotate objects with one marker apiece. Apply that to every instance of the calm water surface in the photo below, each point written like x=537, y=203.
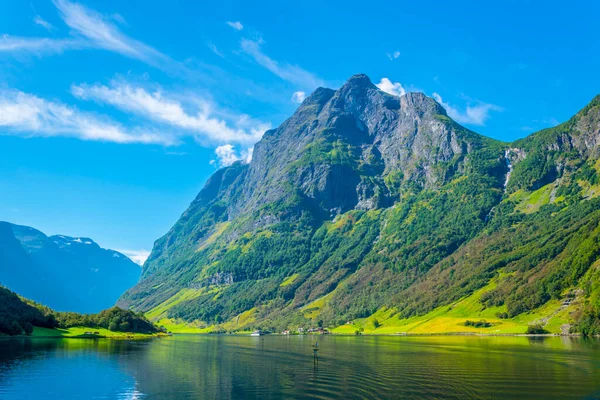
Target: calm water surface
x=276, y=367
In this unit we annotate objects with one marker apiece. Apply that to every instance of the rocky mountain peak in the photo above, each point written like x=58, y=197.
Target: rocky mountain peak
x=358, y=81
x=418, y=102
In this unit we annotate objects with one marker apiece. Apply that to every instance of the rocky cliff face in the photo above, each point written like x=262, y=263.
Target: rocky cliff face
x=348, y=205
x=340, y=145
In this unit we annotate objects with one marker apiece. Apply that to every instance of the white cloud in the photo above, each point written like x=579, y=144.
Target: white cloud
x=298, y=97
x=237, y=25
x=247, y=154
x=390, y=87
x=393, y=55
x=103, y=34
x=290, y=73
x=27, y=115
x=89, y=29
x=137, y=256
x=227, y=155
x=203, y=121
x=43, y=23
x=473, y=115
x=215, y=49
x=38, y=46
x=119, y=18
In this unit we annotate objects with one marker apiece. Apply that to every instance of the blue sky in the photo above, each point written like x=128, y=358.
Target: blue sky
x=113, y=113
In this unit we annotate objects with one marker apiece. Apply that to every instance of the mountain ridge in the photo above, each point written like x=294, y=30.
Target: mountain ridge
x=66, y=273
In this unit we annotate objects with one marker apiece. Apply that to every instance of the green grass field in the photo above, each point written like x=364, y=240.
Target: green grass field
x=79, y=332
x=452, y=318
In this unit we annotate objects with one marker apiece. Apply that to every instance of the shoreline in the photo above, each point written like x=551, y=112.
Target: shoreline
x=150, y=337
x=142, y=336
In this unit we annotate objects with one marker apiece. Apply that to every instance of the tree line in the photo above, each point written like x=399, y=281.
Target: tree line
x=19, y=316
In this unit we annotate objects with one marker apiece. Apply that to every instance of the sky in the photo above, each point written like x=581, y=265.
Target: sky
x=114, y=113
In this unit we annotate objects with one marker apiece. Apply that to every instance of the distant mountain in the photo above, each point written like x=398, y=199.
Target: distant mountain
x=65, y=273
x=374, y=209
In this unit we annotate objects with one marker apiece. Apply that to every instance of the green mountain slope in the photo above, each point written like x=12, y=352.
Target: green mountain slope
x=364, y=204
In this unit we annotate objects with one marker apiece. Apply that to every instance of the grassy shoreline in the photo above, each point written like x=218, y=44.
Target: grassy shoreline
x=79, y=333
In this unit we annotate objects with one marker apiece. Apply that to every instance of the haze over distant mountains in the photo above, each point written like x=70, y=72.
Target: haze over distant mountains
x=363, y=203
x=62, y=272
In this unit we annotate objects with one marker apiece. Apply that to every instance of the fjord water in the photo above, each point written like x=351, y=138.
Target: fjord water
x=273, y=367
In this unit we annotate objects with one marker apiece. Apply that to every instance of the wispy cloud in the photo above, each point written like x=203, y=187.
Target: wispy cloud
x=237, y=25
x=473, y=114
x=103, y=34
x=298, y=97
x=393, y=55
x=89, y=29
x=203, y=121
x=390, y=87
x=215, y=49
x=38, y=46
x=287, y=72
x=43, y=23
x=227, y=155
x=137, y=256
x=27, y=115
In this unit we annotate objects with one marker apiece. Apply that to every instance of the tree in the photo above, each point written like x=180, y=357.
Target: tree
x=14, y=328
x=28, y=328
x=536, y=329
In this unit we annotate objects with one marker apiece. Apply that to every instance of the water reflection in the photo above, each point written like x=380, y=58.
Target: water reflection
x=65, y=369
x=233, y=367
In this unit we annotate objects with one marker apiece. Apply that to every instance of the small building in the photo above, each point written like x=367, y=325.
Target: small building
x=285, y=332
x=300, y=330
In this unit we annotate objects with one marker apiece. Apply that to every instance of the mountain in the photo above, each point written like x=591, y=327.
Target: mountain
x=383, y=212
x=65, y=273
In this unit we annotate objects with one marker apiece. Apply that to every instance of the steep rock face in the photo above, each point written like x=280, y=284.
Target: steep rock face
x=363, y=201
x=339, y=145
x=66, y=273
x=547, y=155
